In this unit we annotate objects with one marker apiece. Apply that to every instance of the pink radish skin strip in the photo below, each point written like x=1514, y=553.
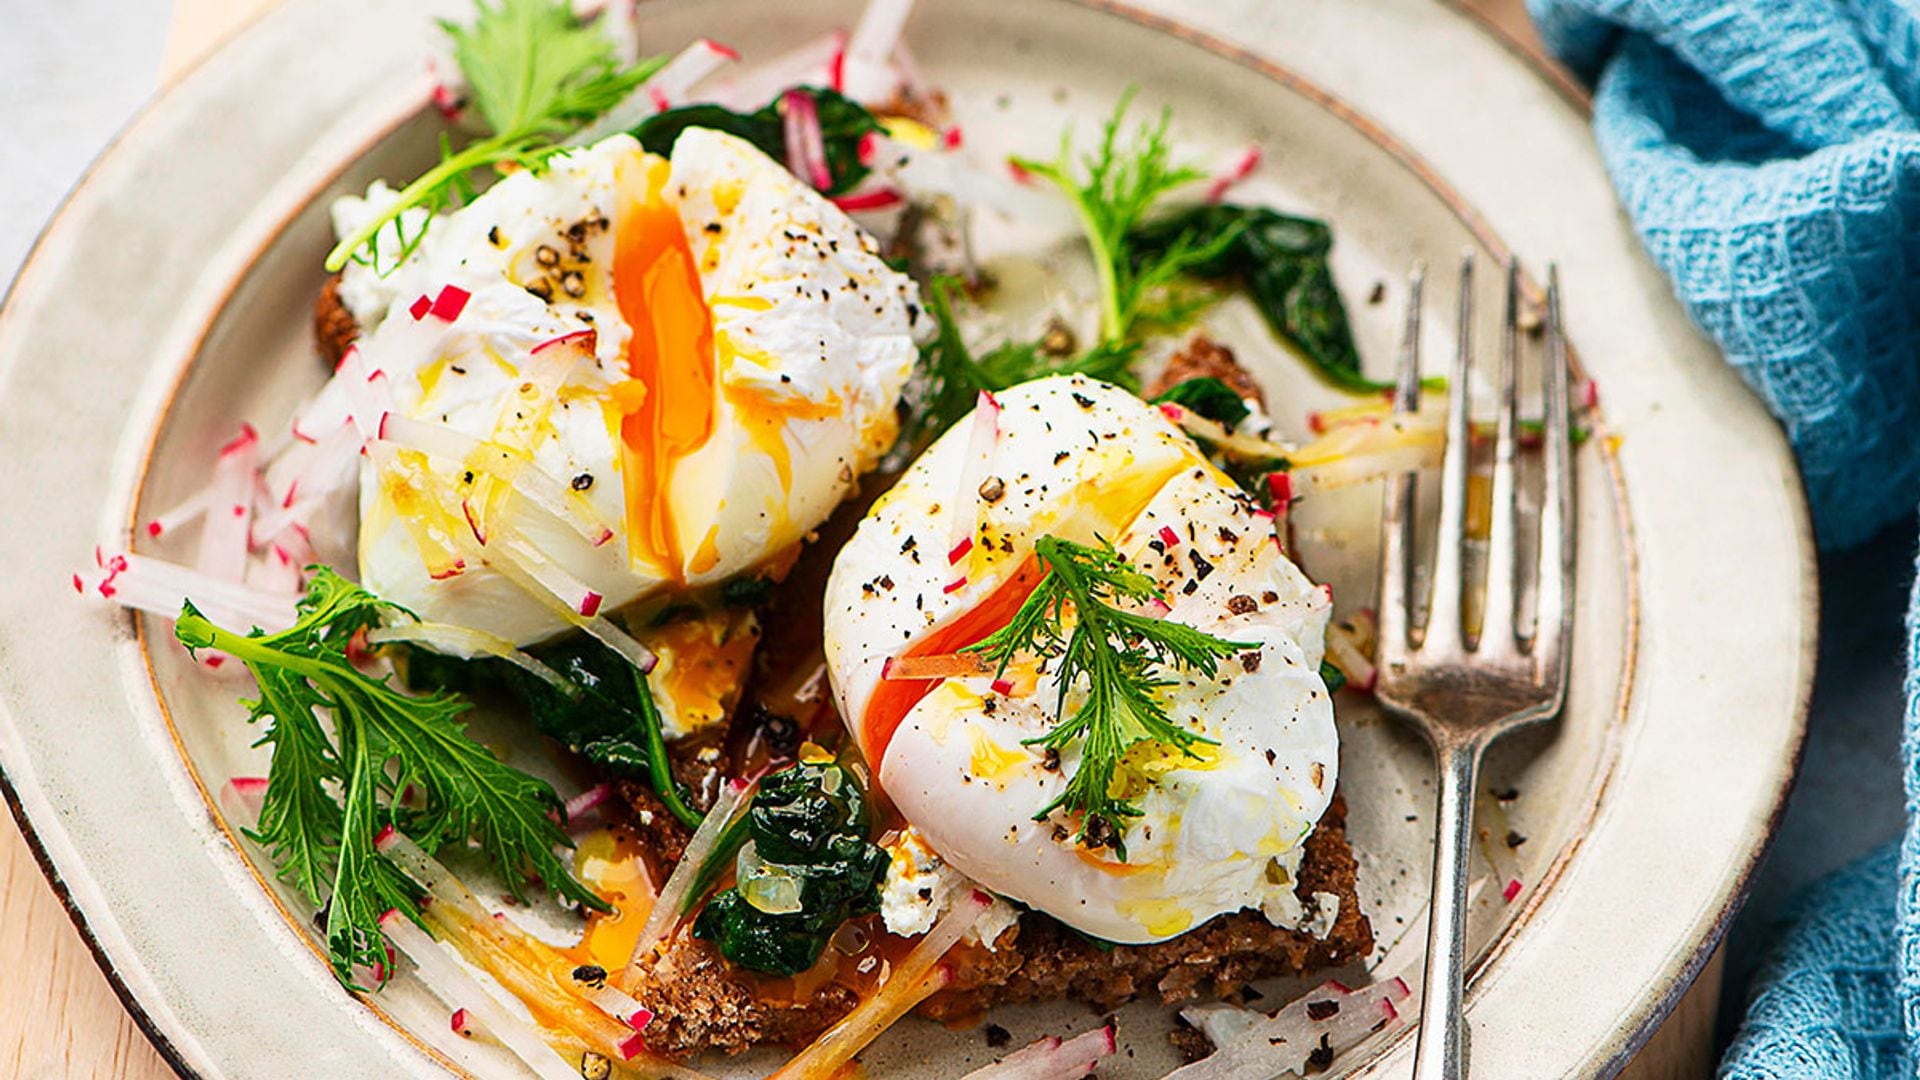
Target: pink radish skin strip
x=587, y=801
x=1052, y=1058
x=229, y=512
x=672, y=84
x=242, y=797
x=867, y=73
x=1252, y=1044
x=450, y=982
x=459, y=641
x=806, y=146
x=982, y=439
x=806, y=64
x=1242, y=164
x=159, y=588
x=180, y=514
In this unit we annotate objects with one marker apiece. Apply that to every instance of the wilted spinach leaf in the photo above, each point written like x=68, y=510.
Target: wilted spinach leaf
x=812, y=864
x=1210, y=398
x=610, y=718
x=1281, y=260
x=843, y=123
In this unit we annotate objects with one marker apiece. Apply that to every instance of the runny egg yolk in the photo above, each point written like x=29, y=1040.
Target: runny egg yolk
x=893, y=699
x=671, y=414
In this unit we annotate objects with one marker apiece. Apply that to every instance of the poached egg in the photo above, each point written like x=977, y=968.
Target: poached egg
x=1219, y=831
x=618, y=377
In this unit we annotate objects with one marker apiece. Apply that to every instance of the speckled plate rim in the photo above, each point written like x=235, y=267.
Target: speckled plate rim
x=1649, y=1018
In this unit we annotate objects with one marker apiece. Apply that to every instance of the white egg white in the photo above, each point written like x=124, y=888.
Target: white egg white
x=1218, y=832
x=813, y=342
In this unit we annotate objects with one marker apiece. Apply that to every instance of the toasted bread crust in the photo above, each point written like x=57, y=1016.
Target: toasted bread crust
x=1202, y=357
x=701, y=1002
x=334, y=327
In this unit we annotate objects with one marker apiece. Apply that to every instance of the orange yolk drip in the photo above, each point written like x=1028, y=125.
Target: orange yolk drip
x=657, y=287
x=703, y=664
x=893, y=699
x=616, y=870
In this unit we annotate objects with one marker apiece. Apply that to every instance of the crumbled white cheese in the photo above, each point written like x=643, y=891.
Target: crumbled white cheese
x=919, y=887
x=1323, y=910
x=366, y=291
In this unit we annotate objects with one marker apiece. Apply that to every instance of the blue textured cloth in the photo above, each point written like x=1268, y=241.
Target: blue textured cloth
x=1768, y=154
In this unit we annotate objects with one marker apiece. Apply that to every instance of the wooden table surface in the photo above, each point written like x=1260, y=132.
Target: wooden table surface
x=59, y=1018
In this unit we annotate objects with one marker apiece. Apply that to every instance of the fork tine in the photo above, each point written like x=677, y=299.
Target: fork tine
x=1555, y=595
x=1397, y=506
x=1503, y=537
x=1444, y=631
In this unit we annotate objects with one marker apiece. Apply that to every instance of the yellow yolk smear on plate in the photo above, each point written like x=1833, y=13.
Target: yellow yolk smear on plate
x=657, y=287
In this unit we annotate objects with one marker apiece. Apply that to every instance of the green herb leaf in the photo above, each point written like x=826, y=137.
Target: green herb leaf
x=809, y=826
x=1281, y=261
x=1072, y=622
x=1210, y=398
x=610, y=717
x=537, y=73
x=1113, y=190
x=843, y=124
x=383, y=745
x=1332, y=676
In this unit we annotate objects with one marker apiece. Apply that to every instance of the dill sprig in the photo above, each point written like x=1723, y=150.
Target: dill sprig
x=1113, y=190
x=536, y=73
x=1145, y=287
x=1114, y=656
x=389, y=759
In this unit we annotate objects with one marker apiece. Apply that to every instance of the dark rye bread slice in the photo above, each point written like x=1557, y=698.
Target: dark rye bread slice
x=334, y=327
x=701, y=1002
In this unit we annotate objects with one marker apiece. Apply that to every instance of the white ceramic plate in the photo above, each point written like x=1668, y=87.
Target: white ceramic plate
x=170, y=297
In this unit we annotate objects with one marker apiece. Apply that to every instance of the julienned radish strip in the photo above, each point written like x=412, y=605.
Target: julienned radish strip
x=179, y=514
x=512, y=468
x=804, y=65
x=604, y=1016
x=414, y=862
x=511, y=565
x=806, y=145
x=727, y=805
x=465, y=643
x=451, y=984
x=1052, y=1058
x=918, y=976
x=575, y=596
x=467, y=1025
x=229, y=514
x=665, y=88
x=159, y=587
x=369, y=396
x=1231, y=443
x=307, y=472
x=1236, y=169
x=982, y=438
x=868, y=73
x=1345, y=654
x=1250, y=1044
x=928, y=172
x=241, y=798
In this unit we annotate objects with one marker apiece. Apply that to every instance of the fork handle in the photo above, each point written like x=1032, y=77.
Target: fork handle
x=1441, y=1054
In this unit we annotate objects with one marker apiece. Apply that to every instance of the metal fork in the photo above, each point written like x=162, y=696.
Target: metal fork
x=1463, y=689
